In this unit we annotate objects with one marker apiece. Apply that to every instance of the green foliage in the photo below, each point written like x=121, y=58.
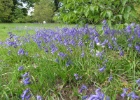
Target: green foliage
x=94, y=11
x=44, y=11
x=5, y=10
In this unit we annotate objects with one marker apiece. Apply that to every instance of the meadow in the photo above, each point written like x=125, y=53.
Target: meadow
x=67, y=62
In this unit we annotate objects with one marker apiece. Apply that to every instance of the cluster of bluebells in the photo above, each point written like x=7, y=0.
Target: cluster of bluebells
x=26, y=78
x=85, y=40
x=26, y=95
x=85, y=37
x=132, y=94
x=99, y=95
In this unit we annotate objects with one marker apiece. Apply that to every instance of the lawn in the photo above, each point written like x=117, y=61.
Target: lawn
x=66, y=62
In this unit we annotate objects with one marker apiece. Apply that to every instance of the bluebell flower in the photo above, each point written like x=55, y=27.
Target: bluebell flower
x=84, y=97
x=128, y=29
x=25, y=75
x=94, y=97
x=38, y=97
x=83, y=54
x=21, y=52
x=26, y=78
x=99, y=95
x=104, y=43
x=110, y=46
x=72, y=42
x=20, y=68
x=80, y=43
x=121, y=53
x=82, y=88
x=99, y=54
x=61, y=54
x=26, y=81
x=102, y=69
x=53, y=48
x=138, y=82
x=124, y=94
x=77, y=77
x=110, y=78
x=129, y=45
x=133, y=96
x=26, y=94
x=137, y=47
x=96, y=39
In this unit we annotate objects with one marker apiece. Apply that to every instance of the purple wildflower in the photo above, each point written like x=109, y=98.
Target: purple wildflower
x=128, y=29
x=25, y=75
x=53, y=48
x=26, y=81
x=84, y=97
x=96, y=39
x=138, y=82
x=20, y=68
x=38, y=97
x=124, y=94
x=82, y=88
x=110, y=78
x=26, y=95
x=137, y=47
x=121, y=53
x=102, y=69
x=77, y=77
x=133, y=95
x=61, y=54
x=26, y=78
x=80, y=43
x=21, y=52
x=99, y=95
x=99, y=54
x=82, y=54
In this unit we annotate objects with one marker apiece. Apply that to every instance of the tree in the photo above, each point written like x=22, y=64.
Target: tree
x=94, y=11
x=44, y=11
x=5, y=10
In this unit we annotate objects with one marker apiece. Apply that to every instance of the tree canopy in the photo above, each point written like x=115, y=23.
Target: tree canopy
x=5, y=9
x=94, y=11
x=44, y=11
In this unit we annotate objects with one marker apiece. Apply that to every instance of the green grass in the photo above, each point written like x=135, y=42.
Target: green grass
x=49, y=74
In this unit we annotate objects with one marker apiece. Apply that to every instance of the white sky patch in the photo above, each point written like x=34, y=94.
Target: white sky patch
x=30, y=10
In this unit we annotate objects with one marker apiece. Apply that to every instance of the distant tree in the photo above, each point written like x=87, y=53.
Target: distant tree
x=5, y=10
x=44, y=11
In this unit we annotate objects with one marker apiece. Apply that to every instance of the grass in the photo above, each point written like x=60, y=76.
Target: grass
x=68, y=63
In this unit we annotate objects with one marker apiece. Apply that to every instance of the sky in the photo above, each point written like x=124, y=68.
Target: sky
x=31, y=9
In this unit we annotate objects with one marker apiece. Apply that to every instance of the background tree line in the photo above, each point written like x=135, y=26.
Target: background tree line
x=71, y=11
